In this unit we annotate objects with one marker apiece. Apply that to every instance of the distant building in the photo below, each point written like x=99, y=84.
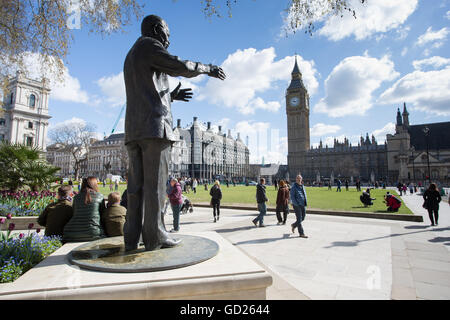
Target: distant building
x=198, y=152
x=201, y=153
x=407, y=151
x=25, y=117
x=366, y=161
x=402, y=157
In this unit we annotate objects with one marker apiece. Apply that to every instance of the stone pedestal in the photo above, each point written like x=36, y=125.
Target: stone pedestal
x=229, y=275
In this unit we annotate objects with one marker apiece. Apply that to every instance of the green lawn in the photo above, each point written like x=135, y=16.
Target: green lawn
x=318, y=198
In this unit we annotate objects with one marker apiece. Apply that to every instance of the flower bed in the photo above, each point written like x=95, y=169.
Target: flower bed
x=19, y=254
x=24, y=203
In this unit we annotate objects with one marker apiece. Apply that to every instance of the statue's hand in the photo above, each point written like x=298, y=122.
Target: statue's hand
x=217, y=72
x=182, y=95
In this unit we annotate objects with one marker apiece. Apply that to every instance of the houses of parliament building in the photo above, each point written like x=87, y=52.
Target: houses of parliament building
x=413, y=153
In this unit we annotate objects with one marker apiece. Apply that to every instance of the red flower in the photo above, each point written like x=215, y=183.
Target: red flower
x=2, y=220
x=31, y=225
x=8, y=216
x=21, y=236
x=38, y=230
x=11, y=226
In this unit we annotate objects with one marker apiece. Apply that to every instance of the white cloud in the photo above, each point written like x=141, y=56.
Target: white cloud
x=432, y=36
x=350, y=85
x=371, y=18
x=67, y=89
x=404, y=51
x=321, y=129
x=434, y=62
x=427, y=91
x=380, y=134
x=263, y=141
x=447, y=15
x=251, y=72
x=113, y=87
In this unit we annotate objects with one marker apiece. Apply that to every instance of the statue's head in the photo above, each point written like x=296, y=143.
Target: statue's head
x=155, y=27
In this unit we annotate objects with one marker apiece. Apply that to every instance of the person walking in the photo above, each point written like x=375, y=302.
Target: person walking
x=282, y=202
x=298, y=198
x=216, y=196
x=176, y=202
x=261, y=199
x=431, y=203
x=194, y=185
x=346, y=185
x=338, y=185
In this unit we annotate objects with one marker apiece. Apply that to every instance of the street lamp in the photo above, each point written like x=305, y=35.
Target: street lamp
x=414, y=170
x=426, y=131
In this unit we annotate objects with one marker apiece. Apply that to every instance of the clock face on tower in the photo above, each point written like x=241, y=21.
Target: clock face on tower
x=294, y=101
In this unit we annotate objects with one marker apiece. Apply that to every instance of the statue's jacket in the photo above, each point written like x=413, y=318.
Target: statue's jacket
x=148, y=113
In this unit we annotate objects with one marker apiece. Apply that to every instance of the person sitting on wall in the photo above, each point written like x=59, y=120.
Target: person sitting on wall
x=56, y=215
x=114, y=216
x=392, y=202
x=88, y=206
x=366, y=199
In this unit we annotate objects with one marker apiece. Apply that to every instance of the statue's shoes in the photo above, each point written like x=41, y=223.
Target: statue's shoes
x=169, y=243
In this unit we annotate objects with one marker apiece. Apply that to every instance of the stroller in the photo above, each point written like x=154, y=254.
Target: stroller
x=187, y=205
x=185, y=208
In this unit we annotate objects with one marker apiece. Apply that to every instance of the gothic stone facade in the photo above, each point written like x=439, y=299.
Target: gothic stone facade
x=367, y=161
x=403, y=157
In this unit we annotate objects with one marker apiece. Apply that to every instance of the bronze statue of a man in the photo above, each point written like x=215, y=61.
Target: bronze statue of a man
x=148, y=129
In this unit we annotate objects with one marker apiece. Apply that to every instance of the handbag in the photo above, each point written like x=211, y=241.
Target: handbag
x=425, y=206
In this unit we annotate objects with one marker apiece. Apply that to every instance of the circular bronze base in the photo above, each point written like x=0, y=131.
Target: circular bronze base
x=109, y=255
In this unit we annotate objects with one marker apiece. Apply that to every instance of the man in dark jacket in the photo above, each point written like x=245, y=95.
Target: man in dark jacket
x=56, y=215
x=261, y=199
x=148, y=129
x=299, y=202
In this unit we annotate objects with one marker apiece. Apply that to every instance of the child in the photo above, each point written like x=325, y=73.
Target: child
x=114, y=216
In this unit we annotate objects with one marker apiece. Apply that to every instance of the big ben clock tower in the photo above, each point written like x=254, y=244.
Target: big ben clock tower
x=297, y=110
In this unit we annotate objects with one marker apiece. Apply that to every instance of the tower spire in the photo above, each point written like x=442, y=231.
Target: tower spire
x=405, y=115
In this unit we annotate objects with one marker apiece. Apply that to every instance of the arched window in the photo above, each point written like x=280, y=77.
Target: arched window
x=32, y=101
x=12, y=98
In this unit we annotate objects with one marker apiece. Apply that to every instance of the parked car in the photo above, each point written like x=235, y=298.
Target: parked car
x=252, y=183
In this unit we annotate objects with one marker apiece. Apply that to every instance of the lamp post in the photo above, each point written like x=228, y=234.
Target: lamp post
x=426, y=131
x=414, y=170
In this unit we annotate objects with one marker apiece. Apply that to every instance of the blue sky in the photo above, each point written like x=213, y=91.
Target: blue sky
x=358, y=72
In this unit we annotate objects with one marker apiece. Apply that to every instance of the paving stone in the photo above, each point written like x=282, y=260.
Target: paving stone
x=429, y=264
x=402, y=277
x=403, y=293
x=432, y=292
x=430, y=276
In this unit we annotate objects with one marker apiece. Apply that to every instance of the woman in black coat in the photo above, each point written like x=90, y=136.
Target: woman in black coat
x=216, y=196
x=432, y=199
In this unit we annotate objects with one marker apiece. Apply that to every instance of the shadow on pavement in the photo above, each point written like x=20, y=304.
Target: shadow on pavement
x=285, y=236
x=440, y=239
x=355, y=242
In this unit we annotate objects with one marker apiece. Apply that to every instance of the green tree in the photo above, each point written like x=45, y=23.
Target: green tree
x=22, y=166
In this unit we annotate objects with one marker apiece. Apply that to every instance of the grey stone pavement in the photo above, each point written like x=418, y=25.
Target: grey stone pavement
x=343, y=258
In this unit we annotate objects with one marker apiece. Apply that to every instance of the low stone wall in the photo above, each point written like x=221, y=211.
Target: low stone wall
x=21, y=223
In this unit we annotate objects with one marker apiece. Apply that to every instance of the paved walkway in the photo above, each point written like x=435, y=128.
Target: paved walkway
x=343, y=258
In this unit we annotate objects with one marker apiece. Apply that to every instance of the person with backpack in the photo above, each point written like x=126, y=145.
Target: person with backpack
x=392, y=202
